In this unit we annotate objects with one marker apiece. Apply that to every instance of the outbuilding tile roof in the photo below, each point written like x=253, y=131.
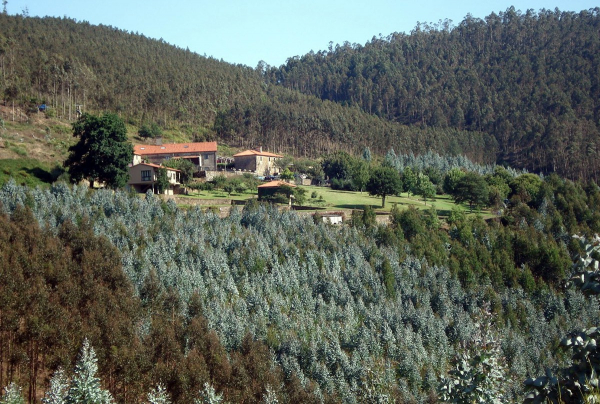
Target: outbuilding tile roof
x=175, y=148
x=256, y=153
x=275, y=184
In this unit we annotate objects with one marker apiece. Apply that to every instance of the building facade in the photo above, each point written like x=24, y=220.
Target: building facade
x=257, y=161
x=203, y=155
x=144, y=176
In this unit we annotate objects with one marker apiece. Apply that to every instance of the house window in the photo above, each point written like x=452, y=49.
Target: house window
x=206, y=156
x=146, y=175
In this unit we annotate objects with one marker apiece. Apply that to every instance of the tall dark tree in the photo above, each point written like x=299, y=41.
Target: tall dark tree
x=162, y=180
x=103, y=152
x=384, y=181
x=186, y=167
x=473, y=189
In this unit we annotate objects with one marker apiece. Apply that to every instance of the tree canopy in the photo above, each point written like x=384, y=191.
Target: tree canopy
x=384, y=181
x=102, y=153
x=471, y=188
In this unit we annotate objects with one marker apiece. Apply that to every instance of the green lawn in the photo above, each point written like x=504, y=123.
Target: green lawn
x=357, y=200
x=348, y=200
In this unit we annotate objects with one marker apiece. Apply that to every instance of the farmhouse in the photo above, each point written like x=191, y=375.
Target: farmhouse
x=144, y=176
x=257, y=161
x=203, y=155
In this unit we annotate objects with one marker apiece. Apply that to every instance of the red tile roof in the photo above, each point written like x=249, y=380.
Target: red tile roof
x=256, y=153
x=175, y=148
x=157, y=166
x=275, y=184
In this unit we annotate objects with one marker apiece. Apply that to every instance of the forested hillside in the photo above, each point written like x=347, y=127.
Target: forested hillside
x=305, y=311
x=529, y=79
x=64, y=63
x=520, y=88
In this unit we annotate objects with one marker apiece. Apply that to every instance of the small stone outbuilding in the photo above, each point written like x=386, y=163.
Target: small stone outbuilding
x=257, y=161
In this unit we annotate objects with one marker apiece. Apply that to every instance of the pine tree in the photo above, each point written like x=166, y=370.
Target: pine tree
x=209, y=396
x=270, y=396
x=59, y=388
x=159, y=396
x=85, y=387
x=12, y=395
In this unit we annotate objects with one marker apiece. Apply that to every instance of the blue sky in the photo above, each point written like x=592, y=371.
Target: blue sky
x=245, y=31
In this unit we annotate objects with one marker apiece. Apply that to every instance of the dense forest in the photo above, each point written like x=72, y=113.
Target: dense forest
x=65, y=63
x=266, y=302
x=529, y=79
x=516, y=88
x=156, y=303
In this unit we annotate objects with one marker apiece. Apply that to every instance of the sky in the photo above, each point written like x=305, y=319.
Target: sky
x=246, y=32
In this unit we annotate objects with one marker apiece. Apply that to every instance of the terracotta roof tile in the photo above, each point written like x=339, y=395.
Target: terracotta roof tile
x=174, y=148
x=256, y=153
x=156, y=166
x=275, y=184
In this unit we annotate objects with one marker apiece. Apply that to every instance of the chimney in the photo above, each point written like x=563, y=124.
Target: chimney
x=158, y=140
x=259, y=149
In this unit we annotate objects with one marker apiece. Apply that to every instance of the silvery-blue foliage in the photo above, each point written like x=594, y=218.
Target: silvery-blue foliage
x=314, y=293
x=59, y=388
x=85, y=387
x=209, y=396
x=12, y=395
x=159, y=395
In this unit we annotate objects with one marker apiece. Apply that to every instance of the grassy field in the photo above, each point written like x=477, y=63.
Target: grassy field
x=29, y=172
x=329, y=199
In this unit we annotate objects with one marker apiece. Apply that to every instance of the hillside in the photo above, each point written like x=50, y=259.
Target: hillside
x=514, y=88
x=65, y=63
x=529, y=79
x=266, y=299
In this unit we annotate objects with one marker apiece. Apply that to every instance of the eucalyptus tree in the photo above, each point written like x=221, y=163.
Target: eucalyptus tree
x=85, y=387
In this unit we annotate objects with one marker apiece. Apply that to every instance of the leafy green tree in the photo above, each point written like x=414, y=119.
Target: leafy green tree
x=451, y=180
x=366, y=218
x=219, y=181
x=102, y=152
x=162, y=180
x=151, y=131
x=229, y=187
x=425, y=187
x=186, y=167
x=85, y=386
x=471, y=188
x=360, y=174
x=526, y=186
x=235, y=184
x=384, y=181
x=337, y=166
x=434, y=174
x=389, y=279
x=299, y=196
x=410, y=221
x=287, y=175
x=409, y=180
x=284, y=162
